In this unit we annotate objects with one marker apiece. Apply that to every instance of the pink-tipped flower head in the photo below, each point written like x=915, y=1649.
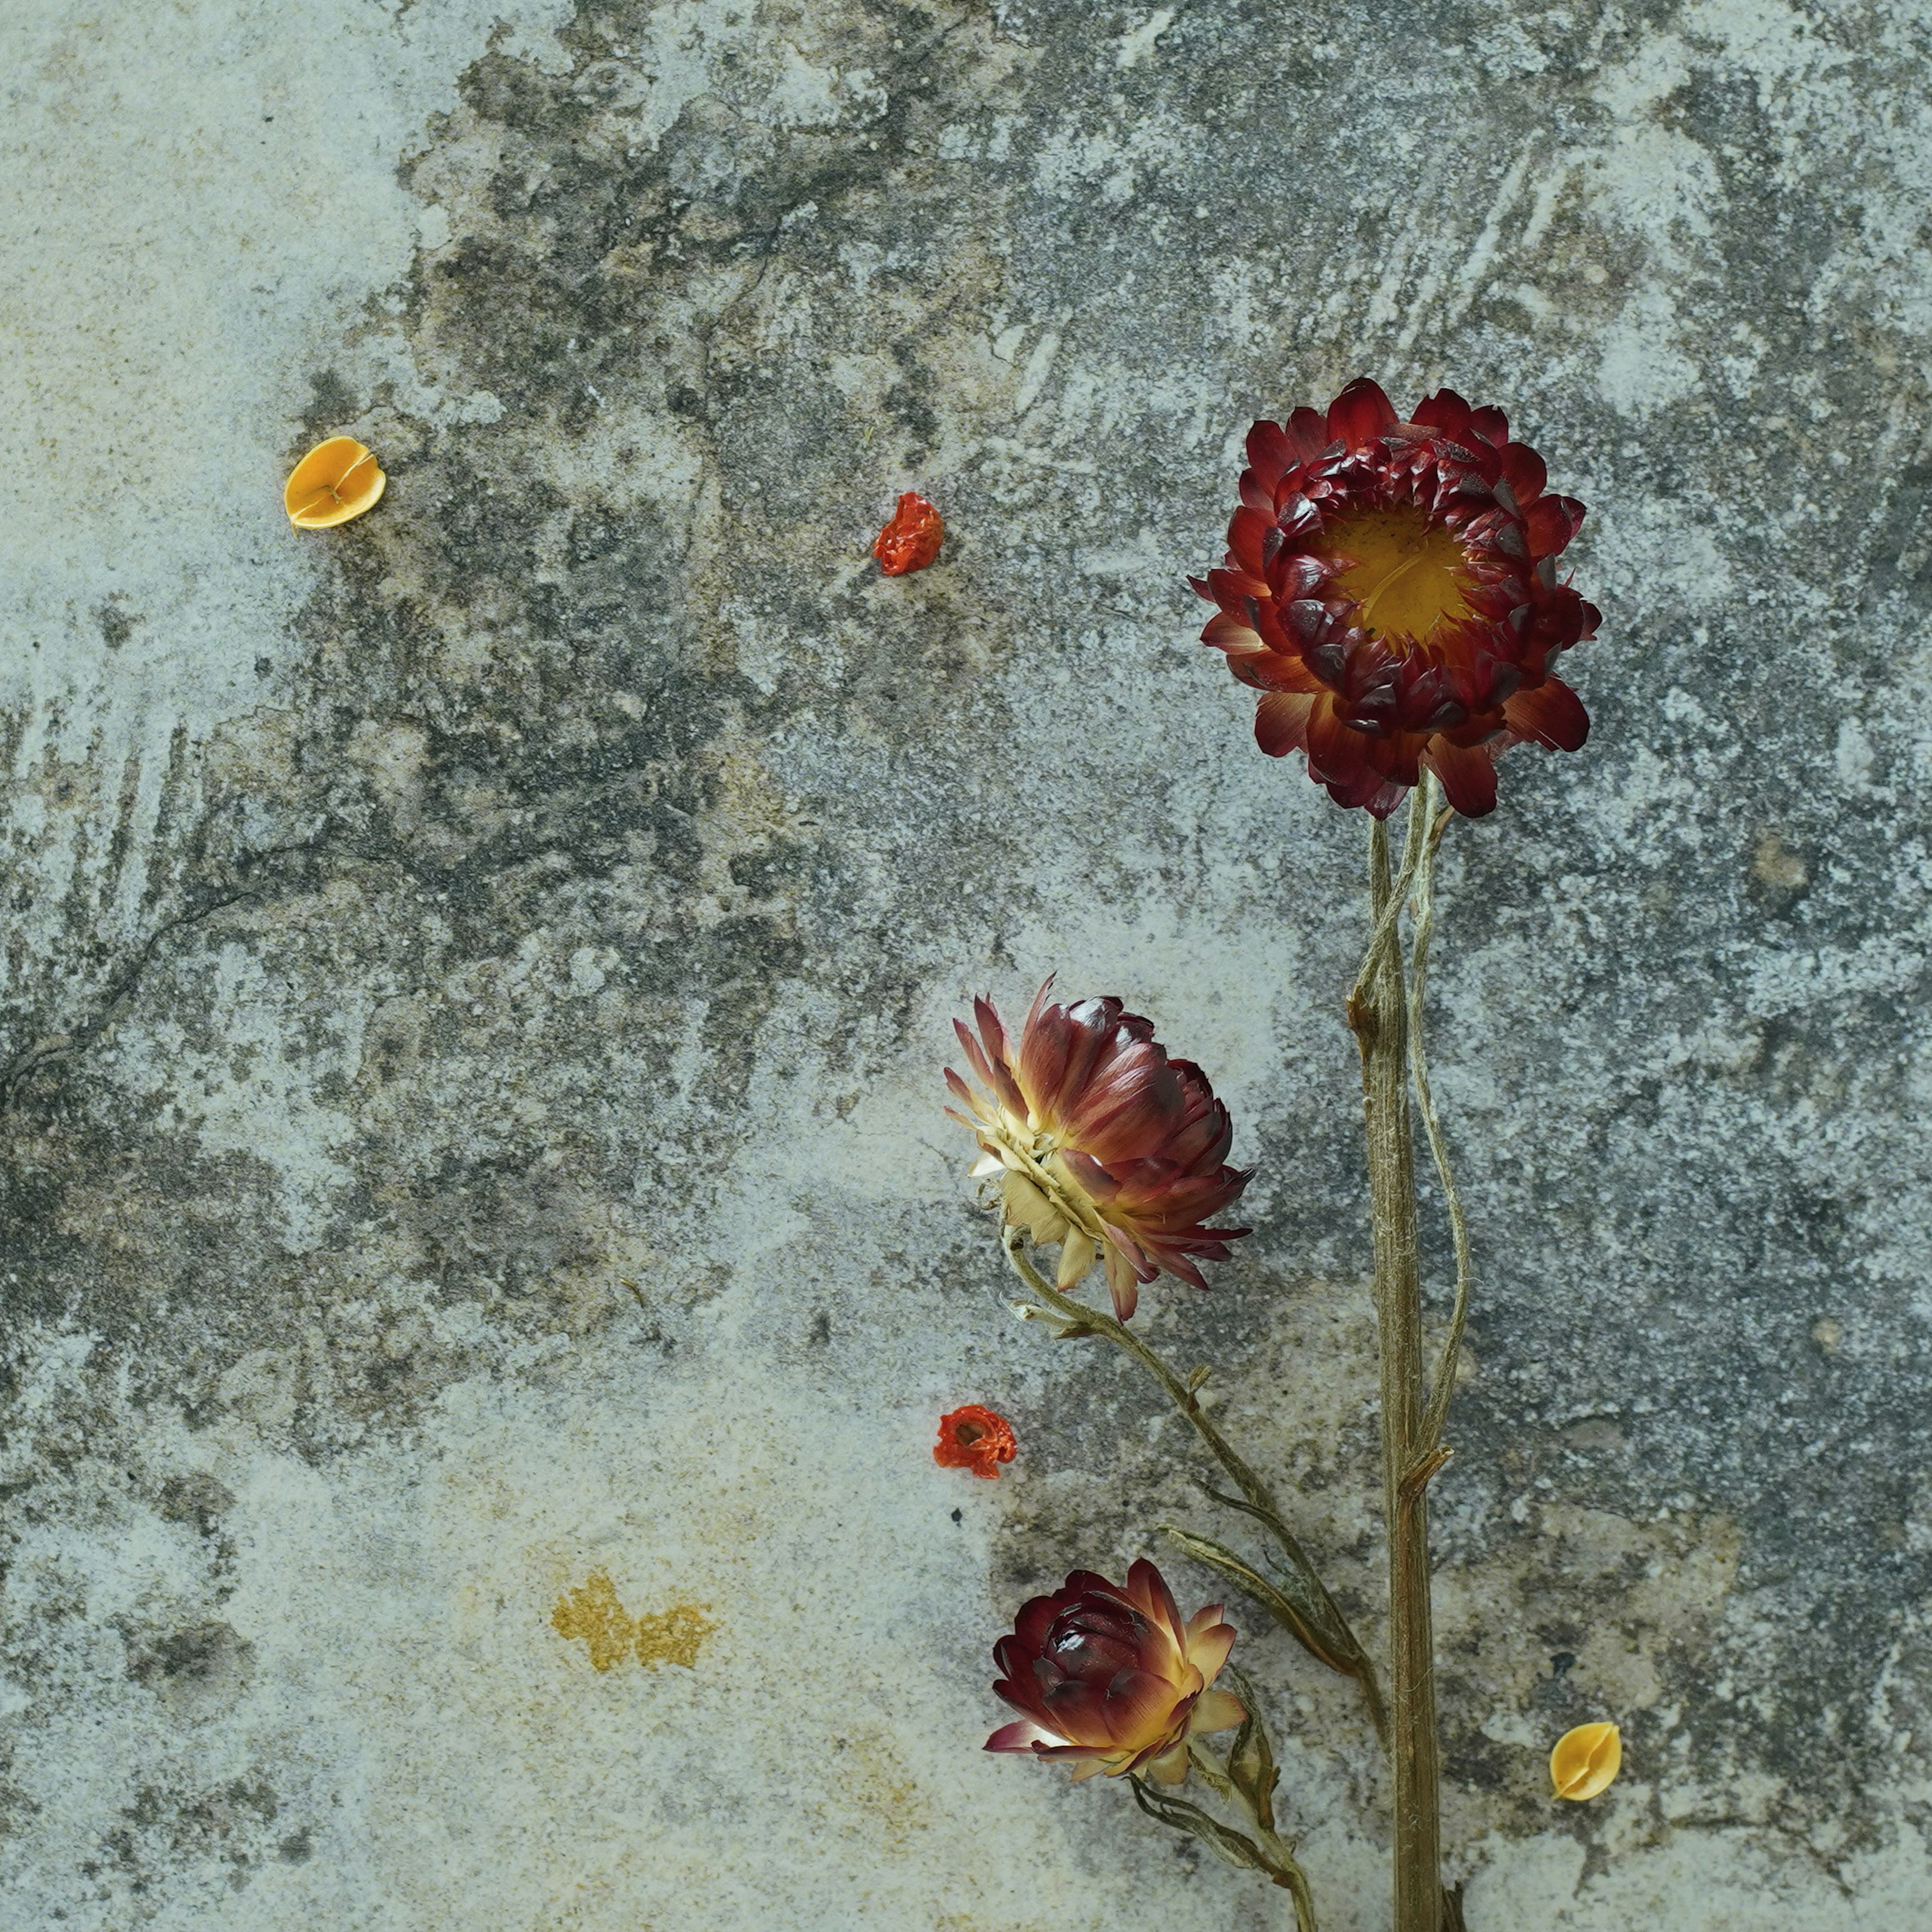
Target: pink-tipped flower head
x=1102, y=1143
x=1112, y=1679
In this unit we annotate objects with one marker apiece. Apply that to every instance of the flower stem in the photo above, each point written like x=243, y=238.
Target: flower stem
x=1323, y=1631
x=1444, y=1385
x=1378, y=1013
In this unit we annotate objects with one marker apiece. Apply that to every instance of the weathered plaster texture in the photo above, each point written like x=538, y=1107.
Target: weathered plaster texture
x=475, y=982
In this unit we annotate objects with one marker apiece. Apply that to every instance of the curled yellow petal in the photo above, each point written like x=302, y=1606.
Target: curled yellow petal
x=335, y=480
x=1586, y=1760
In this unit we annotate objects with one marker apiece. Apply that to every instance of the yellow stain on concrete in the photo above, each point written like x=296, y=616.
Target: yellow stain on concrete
x=675, y=1636
x=593, y=1613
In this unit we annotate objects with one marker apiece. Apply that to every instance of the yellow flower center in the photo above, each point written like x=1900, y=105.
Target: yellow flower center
x=1406, y=574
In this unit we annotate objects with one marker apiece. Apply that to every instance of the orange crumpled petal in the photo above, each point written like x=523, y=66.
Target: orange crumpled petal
x=337, y=480
x=911, y=540
x=974, y=1438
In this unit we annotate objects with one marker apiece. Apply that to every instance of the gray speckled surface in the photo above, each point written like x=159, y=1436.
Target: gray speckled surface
x=562, y=878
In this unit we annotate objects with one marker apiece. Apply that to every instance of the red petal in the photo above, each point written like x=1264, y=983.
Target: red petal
x=1231, y=589
x=1468, y=775
x=1281, y=722
x=1360, y=413
x=1445, y=411
x=1020, y=1736
x=992, y=1028
x=1491, y=425
x=1247, y=530
x=1524, y=472
x=1335, y=755
x=1275, y=670
x=976, y=1057
x=1269, y=453
x=1148, y=1587
x=1078, y=1711
x=1551, y=522
x=1229, y=634
x=1552, y=714
x=1308, y=431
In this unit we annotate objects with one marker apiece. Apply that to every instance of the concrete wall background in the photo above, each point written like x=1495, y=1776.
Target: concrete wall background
x=563, y=877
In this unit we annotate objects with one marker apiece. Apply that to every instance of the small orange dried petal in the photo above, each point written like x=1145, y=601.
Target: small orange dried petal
x=1586, y=1761
x=975, y=1438
x=337, y=480
x=911, y=540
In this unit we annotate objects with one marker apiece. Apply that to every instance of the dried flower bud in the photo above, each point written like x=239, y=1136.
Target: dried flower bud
x=1111, y=1679
x=1586, y=1760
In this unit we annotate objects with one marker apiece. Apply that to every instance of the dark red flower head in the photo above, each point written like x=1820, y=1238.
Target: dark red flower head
x=1106, y=1144
x=1112, y=1679
x=975, y=1438
x=1391, y=588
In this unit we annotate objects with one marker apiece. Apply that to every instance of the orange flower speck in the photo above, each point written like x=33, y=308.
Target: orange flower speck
x=974, y=1438
x=911, y=540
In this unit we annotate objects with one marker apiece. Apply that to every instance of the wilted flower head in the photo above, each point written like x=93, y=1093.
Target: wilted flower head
x=1390, y=587
x=1106, y=1144
x=1112, y=1678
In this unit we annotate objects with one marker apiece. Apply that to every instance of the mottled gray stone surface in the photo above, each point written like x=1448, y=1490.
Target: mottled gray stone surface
x=562, y=879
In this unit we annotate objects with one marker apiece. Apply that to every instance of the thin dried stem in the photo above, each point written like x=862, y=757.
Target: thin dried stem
x=1387, y=910
x=1423, y=910
x=1378, y=1013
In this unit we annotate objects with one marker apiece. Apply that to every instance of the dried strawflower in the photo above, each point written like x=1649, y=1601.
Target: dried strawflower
x=911, y=540
x=1586, y=1760
x=1390, y=587
x=335, y=480
x=1104, y=1144
x=975, y=1438
x=1112, y=1678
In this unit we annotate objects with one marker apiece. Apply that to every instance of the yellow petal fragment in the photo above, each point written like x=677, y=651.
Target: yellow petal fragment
x=337, y=480
x=1586, y=1761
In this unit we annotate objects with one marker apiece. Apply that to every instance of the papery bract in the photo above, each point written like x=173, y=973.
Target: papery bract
x=1104, y=1144
x=336, y=480
x=1391, y=588
x=1111, y=1679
